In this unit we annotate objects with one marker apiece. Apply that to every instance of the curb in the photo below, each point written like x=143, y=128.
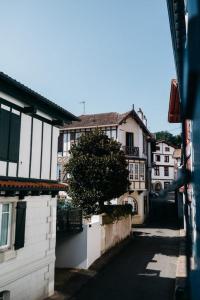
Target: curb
x=181, y=274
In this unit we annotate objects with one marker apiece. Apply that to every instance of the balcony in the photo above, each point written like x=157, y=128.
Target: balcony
x=131, y=151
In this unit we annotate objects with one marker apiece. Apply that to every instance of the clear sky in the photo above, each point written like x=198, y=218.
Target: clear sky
x=109, y=53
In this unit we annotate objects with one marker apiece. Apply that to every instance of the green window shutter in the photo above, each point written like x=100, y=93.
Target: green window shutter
x=15, y=124
x=20, y=225
x=4, y=133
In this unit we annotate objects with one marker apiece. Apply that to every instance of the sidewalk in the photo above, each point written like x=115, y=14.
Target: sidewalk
x=69, y=281
x=181, y=274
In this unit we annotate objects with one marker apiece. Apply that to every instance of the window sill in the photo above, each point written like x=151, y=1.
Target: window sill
x=7, y=254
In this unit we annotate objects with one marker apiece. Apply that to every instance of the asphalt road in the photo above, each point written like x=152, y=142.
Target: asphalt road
x=146, y=268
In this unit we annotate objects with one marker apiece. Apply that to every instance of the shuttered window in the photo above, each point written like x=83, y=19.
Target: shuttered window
x=20, y=225
x=5, y=224
x=10, y=124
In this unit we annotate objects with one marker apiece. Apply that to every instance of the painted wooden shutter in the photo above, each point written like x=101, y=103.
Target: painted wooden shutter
x=15, y=123
x=20, y=225
x=4, y=133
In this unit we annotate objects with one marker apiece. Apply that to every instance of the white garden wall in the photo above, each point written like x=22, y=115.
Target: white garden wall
x=113, y=233
x=80, y=250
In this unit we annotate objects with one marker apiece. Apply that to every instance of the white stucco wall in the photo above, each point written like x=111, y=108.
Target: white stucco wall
x=80, y=250
x=30, y=161
x=161, y=164
x=131, y=126
x=29, y=274
x=112, y=234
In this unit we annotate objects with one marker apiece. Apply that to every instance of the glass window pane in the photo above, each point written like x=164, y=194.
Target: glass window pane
x=5, y=207
x=4, y=229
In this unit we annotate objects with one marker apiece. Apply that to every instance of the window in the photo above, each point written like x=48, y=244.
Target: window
x=131, y=171
x=166, y=184
x=166, y=158
x=167, y=149
x=60, y=143
x=156, y=171
x=7, y=237
x=136, y=171
x=10, y=123
x=144, y=144
x=157, y=148
x=157, y=157
x=166, y=171
x=141, y=172
x=5, y=224
x=5, y=295
x=129, y=139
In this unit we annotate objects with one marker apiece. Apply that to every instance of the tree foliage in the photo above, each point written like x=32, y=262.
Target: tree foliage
x=168, y=137
x=97, y=171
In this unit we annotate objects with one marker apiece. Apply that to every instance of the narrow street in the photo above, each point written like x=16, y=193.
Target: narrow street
x=146, y=268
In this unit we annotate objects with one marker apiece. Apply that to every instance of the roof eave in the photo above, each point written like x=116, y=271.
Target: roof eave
x=30, y=97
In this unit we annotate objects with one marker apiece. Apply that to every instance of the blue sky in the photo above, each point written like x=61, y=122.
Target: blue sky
x=109, y=53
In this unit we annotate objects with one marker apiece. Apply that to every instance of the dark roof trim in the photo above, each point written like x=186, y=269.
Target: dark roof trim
x=176, y=12
x=15, y=89
x=135, y=116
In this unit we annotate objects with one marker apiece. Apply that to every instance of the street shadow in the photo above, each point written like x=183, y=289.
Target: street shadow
x=146, y=268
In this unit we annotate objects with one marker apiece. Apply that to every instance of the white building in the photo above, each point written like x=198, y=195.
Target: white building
x=164, y=162
x=130, y=129
x=28, y=188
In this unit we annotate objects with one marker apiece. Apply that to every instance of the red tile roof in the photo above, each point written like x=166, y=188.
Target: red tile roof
x=93, y=120
x=30, y=186
x=105, y=119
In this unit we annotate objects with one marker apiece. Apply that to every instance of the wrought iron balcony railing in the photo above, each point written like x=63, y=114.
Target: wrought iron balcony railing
x=131, y=151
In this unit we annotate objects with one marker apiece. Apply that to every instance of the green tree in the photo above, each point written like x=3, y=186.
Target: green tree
x=175, y=140
x=97, y=171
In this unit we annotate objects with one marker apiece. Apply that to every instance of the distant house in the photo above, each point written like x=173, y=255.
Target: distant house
x=164, y=163
x=130, y=129
x=28, y=188
x=177, y=155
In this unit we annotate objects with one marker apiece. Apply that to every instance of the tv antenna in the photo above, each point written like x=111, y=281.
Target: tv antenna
x=83, y=102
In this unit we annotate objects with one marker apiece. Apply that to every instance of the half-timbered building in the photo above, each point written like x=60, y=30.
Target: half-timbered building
x=130, y=129
x=28, y=188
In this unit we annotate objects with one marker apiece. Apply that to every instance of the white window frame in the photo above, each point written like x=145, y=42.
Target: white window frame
x=8, y=245
x=142, y=171
x=131, y=171
x=136, y=171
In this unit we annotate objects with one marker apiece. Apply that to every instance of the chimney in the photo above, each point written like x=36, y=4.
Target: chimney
x=140, y=114
x=145, y=121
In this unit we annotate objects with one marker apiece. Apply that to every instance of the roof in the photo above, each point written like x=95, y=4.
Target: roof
x=94, y=120
x=174, y=115
x=165, y=142
x=32, y=98
x=177, y=153
x=105, y=119
x=14, y=185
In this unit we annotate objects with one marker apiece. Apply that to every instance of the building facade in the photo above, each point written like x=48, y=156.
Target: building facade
x=184, y=20
x=129, y=129
x=164, y=163
x=28, y=189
